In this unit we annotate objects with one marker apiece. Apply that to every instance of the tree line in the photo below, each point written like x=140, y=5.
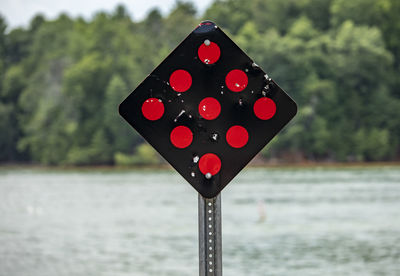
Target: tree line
x=61, y=80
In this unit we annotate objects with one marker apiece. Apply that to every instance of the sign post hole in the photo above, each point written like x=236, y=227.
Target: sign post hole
x=208, y=109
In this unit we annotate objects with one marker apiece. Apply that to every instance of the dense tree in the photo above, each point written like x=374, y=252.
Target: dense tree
x=3, y=36
x=230, y=15
x=121, y=135
x=121, y=13
x=179, y=23
x=363, y=12
x=61, y=80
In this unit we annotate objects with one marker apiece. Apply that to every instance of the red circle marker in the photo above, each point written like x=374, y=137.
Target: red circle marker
x=264, y=108
x=181, y=137
x=209, y=54
x=209, y=108
x=236, y=80
x=210, y=163
x=152, y=109
x=237, y=136
x=180, y=80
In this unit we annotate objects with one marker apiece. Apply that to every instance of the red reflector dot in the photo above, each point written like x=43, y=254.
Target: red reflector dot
x=180, y=80
x=181, y=137
x=208, y=52
x=236, y=80
x=237, y=136
x=264, y=108
x=209, y=163
x=209, y=108
x=152, y=109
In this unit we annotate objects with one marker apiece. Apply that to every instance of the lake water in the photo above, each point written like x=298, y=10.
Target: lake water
x=318, y=222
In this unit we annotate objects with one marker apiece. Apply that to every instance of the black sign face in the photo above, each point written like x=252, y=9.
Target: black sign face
x=208, y=109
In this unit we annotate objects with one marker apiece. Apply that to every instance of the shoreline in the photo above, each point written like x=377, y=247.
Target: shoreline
x=165, y=166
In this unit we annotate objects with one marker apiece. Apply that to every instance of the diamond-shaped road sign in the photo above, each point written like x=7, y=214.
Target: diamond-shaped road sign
x=208, y=109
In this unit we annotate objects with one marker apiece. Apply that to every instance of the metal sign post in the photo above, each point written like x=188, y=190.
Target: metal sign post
x=208, y=109
x=210, y=236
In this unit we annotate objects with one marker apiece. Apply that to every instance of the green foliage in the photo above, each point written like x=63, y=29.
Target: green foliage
x=145, y=155
x=363, y=12
x=8, y=133
x=61, y=80
x=179, y=23
x=3, y=27
x=230, y=15
x=372, y=144
x=122, y=137
x=97, y=152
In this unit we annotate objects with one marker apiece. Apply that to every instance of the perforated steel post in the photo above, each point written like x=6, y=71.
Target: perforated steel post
x=210, y=238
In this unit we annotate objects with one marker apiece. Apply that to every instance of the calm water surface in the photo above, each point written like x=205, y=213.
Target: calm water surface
x=318, y=222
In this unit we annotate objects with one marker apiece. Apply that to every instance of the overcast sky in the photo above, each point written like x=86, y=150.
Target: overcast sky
x=19, y=12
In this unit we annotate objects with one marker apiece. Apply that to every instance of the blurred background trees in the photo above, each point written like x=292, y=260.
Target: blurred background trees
x=61, y=80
